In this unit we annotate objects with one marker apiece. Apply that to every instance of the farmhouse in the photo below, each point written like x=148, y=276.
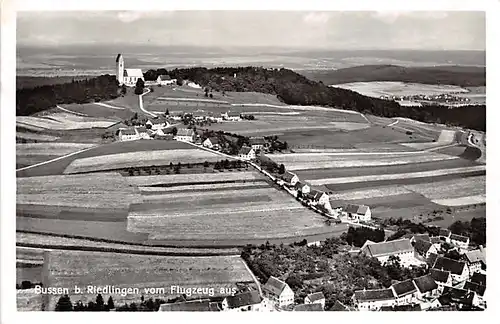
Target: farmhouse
x=165, y=79
x=405, y=292
x=382, y=251
x=308, y=308
x=315, y=298
x=278, y=291
x=290, y=179
x=359, y=212
x=460, y=297
x=317, y=197
x=247, y=301
x=424, y=248
x=125, y=76
x=373, y=299
x=257, y=143
x=426, y=286
x=462, y=242
x=302, y=187
x=157, y=123
x=212, y=143
x=128, y=134
x=231, y=116
x=441, y=277
x=476, y=260
x=203, y=305
x=246, y=153
x=185, y=134
x=436, y=241
x=143, y=132
x=458, y=270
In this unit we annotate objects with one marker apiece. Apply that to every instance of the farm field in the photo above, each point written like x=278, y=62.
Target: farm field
x=58, y=167
x=28, y=300
x=62, y=121
x=380, y=88
x=100, y=111
x=29, y=136
x=52, y=241
x=70, y=268
x=140, y=159
x=195, y=179
x=32, y=153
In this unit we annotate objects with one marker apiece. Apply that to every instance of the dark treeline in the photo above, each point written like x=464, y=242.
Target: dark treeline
x=33, y=100
x=295, y=89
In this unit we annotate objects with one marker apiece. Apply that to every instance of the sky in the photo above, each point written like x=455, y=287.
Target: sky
x=436, y=30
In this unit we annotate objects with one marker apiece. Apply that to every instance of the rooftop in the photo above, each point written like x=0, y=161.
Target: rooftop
x=133, y=73
x=257, y=141
x=274, y=286
x=447, y=264
x=439, y=275
x=308, y=308
x=475, y=256
x=424, y=237
x=422, y=246
x=444, y=232
x=128, y=131
x=316, y=296
x=374, y=294
x=478, y=278
x=164, y=77
x=356, y=209
x=389, y=248
x=339, y=307
x=288, y=176
x=478, y=289
x=456, y=295
x=460, y=238
x=190, y=306
x=185, y=132
x=404, y=287
x=425, y=283
x=245, y=150
x=401, y=308
x=244, y=299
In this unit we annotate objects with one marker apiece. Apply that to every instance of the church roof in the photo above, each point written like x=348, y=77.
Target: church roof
x=133, y=73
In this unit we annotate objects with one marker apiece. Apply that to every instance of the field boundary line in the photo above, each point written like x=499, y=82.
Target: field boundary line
x=72, y=112
x=393, y=123
x=53, y=160
x=108, y=106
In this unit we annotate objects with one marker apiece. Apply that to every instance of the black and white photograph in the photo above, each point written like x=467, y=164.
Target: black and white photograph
x=248, y=160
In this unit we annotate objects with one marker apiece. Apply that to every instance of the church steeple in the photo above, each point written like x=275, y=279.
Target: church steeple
x=120, y=68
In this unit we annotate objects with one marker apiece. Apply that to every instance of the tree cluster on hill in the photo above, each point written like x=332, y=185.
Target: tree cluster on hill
x=357, y=236
x=325, y=268
x=295, y=89
x=64, y=304
x=475, y=230
x=33, y=100
x=464, y=76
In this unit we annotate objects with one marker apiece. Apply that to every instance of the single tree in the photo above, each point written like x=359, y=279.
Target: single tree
x=281, y=169
x=99, y=301
x=111, y=304
x=124, y=90
x=64, y=304
x=167, y=113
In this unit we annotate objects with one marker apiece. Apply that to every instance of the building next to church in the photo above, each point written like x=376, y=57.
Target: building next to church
x=125, y=76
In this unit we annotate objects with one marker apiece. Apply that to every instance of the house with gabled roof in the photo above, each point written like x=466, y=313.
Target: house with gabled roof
x=413, y=237
x=424, y=248
x=442, y=278
x=478, y=278
x=157, y=123
x=460, y=241
x=444, y=234
x=258, y=143
x=303, y=187
x=212, y=143
x=165, y=79
x=458, y=269
x=246, y=301
x=185, y=135
x=476, y=260
x=339, y=307
x=359, y=212
x=143, y=132
x=278, y=292
x=426, y=286
x=460, y=297
x=231, y=116
x=246, y=153
x=202, y=305
x=405, y=292
x=128, y=134
x=308, y=308
x=317, y=197
x=401, y=248
x=373, y=299
x=289, y=178
x=315, y=298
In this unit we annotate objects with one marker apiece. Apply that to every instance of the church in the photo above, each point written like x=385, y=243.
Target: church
x=125, y=76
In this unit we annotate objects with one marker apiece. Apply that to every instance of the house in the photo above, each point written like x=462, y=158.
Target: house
x=478, y=278
x=413, y=237
x=158, y=123
x=165, y=79
x=143, y=132
x=442, y=278
x=315, y=298
x=401, y=308
x=431, y=259
x=302, y=187
x=476, y=260
x=185, y=134
x=405, y=292
x=290, y=179
x=317, y=197
x=339, y=307
x=462, y=242
x=436, y=241
x=278, y=291
x=359, y=212
x=461, y=297
x=444, y=234
x=401, y=248
x=373, y=299
x=231, y=116
x=314, y=243
x=212, y=143
x=247, y=301
x=426, y=286
x=127, y=77
x=474, y=287
x=308, y=308
x=246, y=153
x=128, y=134
x=258, y=143
x=204, y=305
x=424, y=248
x=458, y=269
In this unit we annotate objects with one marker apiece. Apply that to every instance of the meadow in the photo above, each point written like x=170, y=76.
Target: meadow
x=62, y=121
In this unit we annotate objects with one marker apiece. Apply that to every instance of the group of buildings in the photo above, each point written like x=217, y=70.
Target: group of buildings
x=322, y=201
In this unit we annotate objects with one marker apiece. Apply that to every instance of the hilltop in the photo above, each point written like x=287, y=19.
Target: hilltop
x=464, y=76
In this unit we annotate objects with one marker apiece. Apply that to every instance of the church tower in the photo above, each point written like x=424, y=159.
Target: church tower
x=120, y=68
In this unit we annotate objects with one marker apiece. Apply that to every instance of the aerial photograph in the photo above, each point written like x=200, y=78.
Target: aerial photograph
x=262, y=161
